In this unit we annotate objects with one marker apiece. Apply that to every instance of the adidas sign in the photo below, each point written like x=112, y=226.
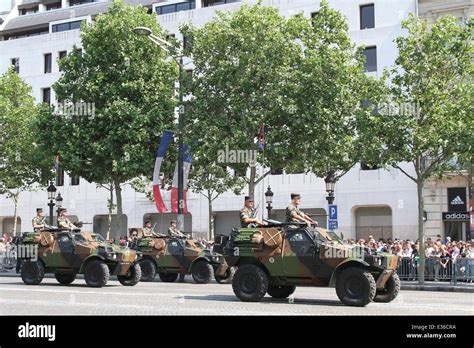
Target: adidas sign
x=464, y=216
x=457, y=201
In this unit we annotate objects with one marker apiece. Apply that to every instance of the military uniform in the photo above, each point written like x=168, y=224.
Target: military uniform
x=174, y=232
x=246, y=213
x=64, y=222
x=292, y=210
x=147, y=232
x=38, y=220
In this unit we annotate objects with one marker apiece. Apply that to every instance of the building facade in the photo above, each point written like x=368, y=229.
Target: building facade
x=382, y=203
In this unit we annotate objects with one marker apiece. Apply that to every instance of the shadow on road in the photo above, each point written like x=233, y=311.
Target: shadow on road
x=297, y=301
x=73, y=285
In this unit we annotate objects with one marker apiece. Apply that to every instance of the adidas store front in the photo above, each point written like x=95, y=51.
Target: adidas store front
x=456, y=219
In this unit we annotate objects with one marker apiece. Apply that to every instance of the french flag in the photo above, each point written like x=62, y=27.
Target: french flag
x=160, y=153
x=187, y=158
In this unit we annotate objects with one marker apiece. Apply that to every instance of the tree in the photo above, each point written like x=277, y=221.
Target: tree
x=211, y=179
x=243, y=66
x=330, y=126
x=22, y=166
x=431, y=104
x=131, y=85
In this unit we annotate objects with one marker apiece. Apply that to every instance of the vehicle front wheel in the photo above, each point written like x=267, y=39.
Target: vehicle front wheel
x=281, y=291
x=250, y=283
x=168, y=277
x=96, y=274
x=132, y=277
x=390, y=291
x=65, y=278
x=148, y=270
x=202, y=272
x=355, y=287
x=227, y=277
x=32, y=272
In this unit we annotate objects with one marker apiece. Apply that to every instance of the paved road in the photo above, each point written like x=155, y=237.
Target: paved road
x=188, y=298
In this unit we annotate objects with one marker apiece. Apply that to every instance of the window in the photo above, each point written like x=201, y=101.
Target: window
x=16, y=64
x=79, y=2
x=61, y=55
x=60, y=176
x=56, y=28
x=46, y=95
x=74, y=180
x=181, y=6
x=299, y=236
x=27, y=11
x=367, y=17
x=187, y=42
x=370, y=54
x=53, y=6
x=207, y=3
x=47, y=63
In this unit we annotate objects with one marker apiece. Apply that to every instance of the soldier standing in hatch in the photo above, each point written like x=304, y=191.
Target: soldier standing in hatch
x=38, y=221
x=294, y=214
x=64, y=222
x=174, y=232
x=148, y=230
x=247, y=214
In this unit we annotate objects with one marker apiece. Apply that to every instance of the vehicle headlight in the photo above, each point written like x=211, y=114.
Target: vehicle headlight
x=112, y=256
x=216, y=258
x=378, y=261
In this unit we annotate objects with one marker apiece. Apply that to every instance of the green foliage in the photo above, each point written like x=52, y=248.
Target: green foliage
x=22, y=165
x=131, y=83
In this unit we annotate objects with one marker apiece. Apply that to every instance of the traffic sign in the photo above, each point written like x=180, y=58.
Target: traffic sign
x=332, y=212
x=333, y=225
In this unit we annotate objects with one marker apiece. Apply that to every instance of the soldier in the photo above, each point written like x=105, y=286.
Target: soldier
x=247, y=214
x=174, y=232
x=148, y=230
x=294, y=214
x=39, y=220
x=64, y=222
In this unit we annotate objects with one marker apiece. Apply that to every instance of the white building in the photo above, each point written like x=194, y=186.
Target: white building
x=34, y=33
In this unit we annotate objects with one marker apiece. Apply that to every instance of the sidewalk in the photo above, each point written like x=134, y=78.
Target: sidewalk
x=438, y=286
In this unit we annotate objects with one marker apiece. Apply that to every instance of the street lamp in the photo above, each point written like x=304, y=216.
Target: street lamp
x=51, y=196
x=59, y=204
x=269, y=200
x=178, y=58
x=330, y=184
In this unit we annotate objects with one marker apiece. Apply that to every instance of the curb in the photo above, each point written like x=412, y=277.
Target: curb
x=440, y=288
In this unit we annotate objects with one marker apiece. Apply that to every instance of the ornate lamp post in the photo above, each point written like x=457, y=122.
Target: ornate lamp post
x=269, y=200
x=51, y=197
x=59, y=204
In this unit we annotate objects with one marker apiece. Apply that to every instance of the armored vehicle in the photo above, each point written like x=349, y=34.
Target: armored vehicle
x=172, y=256
x=280, y=256
x=68, y=253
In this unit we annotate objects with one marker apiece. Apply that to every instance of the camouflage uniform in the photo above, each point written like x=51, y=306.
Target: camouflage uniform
x=290, y=211
x=64, y=222
x=246, y=213
x=174, y=232
x=147, y=232
x=38, y=220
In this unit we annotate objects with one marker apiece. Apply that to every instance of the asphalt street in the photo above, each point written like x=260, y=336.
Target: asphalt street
x=187, y=298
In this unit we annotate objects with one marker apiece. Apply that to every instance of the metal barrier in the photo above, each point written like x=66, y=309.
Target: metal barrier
x=438, y=269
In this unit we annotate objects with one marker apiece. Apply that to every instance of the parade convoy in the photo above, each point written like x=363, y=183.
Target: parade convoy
x=273, y=259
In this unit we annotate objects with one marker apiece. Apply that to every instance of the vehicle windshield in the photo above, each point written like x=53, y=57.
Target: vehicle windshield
x=325, y=235
x=80, y=239
x=98, y=238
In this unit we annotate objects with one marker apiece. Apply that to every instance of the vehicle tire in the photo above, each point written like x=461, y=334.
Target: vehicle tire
x=168, y=277
x=250, y=283
x=32, y=272
x=202, y=272
x=132, y=277
x=65, y=278
x=96, y=274
x=281, y=291
x=227, y=277
x=391, y=290
x=148, y=270
x=355, y=287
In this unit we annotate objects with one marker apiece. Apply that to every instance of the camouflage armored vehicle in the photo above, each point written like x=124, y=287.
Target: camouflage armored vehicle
x=67, y=254
x=280, y=256
x=172, y=256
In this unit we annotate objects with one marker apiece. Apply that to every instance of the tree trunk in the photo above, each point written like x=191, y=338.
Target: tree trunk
x=211, y=218
x=253, y=173
x=421, y=233
x=111, y=209
x=118, y=199
x=16, y=199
